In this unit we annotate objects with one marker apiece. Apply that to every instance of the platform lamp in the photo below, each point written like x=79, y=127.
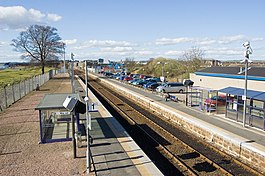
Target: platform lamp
x=72, y=77
x=247, y=52
x=88, y=122
x=163, y=65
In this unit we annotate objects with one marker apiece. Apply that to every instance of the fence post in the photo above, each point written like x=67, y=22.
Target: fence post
x=5, y=96
x=24, y=88
x=13, y=91
x=19, y=89
x=40, y=79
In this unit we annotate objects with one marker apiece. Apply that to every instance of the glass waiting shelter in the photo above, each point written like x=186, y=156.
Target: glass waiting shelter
x=206, y=99
x=55, y=119
x=254, y=108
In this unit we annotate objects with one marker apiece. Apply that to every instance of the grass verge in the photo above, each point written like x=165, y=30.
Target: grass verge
x=11, y=76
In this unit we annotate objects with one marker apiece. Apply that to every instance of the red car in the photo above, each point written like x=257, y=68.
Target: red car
x=221, y=101
x=128, y=78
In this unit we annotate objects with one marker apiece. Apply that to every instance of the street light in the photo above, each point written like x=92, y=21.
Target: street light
x=72, y=80
x=63, y=57
x=163, y=65
x=247, y=52
x=88, y=122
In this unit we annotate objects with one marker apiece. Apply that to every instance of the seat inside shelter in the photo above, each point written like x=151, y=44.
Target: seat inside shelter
x=55, y=119
x=206, y=99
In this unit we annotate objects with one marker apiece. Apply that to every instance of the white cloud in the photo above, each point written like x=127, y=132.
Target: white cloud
x=143, y=52
x=18, y=17
x=230, y=39
x=2, y=43
x=173, y=41
x=223, y=51
x=205, y=41
x=257, y=39
x=174, y=53
x=70, y=42
x=116, y=49
x=54, y=17
x=104, y=43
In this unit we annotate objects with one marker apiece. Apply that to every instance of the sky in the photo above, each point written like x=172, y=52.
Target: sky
x=140, y=29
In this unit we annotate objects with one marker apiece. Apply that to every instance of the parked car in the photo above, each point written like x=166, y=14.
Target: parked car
x=141, y=76
x=137, y=82
x=171, y=87
x=122, y=77
x=153, y=79
x=135, y=79
x=128, y=78
x=148, y=82
x=142, y=82
x=136, y=75
x=221, y=100
x=147, y=77
x=153, y=85
x=108, y=74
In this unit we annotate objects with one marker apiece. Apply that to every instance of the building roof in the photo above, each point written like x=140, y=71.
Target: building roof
x=257, y=95
x=253, y=71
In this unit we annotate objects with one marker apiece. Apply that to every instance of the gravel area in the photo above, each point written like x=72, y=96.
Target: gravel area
x=20, y=151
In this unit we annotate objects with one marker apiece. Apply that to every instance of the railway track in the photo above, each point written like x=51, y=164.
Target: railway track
x=185, y=152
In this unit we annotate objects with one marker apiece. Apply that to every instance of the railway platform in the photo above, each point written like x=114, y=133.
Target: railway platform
x=114, y=152
x=245, y=143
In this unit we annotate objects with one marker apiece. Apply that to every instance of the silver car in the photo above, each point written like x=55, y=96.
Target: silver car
x=171, y=87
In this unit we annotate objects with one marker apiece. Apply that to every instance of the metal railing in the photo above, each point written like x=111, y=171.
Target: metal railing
x=12, y=93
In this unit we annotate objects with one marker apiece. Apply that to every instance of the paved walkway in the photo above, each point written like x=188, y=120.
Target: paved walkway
x=20, y=151
x=114, y=152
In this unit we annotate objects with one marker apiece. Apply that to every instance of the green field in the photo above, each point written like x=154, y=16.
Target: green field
x=11, y=76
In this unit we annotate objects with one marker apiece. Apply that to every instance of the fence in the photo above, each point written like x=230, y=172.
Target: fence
x=12, y=93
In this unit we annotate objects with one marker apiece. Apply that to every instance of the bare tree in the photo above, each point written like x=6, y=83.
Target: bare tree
x=39, y=44
x=193, y=58
x=130, y=64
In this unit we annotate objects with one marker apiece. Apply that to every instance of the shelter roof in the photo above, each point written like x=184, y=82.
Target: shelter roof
x=54, y=101
x=257, y=95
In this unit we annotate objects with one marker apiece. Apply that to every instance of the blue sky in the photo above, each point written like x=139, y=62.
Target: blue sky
x=140, y=29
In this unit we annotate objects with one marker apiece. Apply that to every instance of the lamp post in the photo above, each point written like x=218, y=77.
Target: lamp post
x=88, y=122
x=72, y=80
x=247, y=52
x=73, y=115
x=163, y=65
x=63, y=57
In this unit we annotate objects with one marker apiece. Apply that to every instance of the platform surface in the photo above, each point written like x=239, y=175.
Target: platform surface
x=114, y=151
